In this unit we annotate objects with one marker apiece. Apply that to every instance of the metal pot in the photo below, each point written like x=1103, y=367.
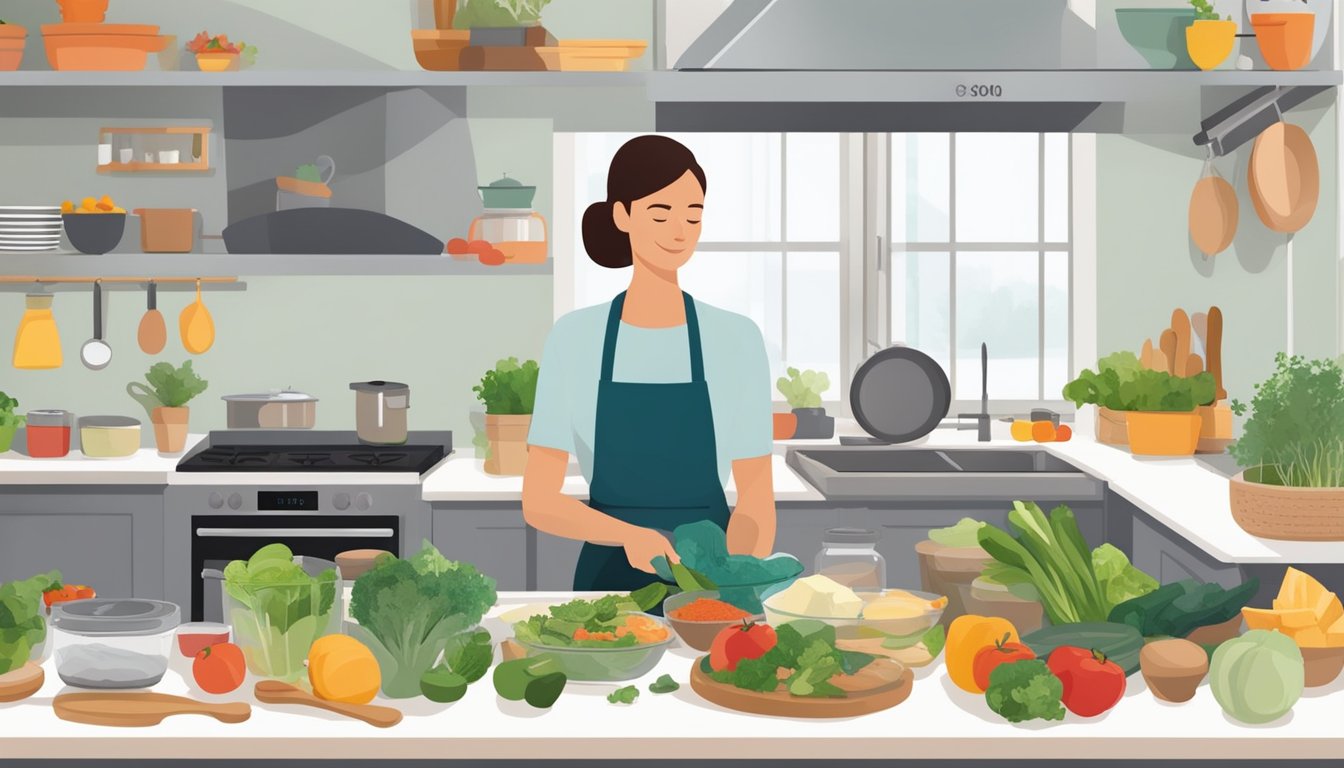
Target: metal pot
x=277, y=409
x=380, y=411
x=507, y=193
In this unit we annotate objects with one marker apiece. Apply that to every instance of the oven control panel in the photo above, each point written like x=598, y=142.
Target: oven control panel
x=289, y=501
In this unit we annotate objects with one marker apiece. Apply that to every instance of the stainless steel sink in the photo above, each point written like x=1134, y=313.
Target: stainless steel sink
x=886, y=473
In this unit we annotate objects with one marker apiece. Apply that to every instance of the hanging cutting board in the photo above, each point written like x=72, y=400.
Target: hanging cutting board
x=881, y=685
x=141, y=709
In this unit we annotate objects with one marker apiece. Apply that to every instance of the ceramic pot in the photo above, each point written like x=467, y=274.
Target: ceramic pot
x=1111, y=429
x=1158, y=34
x=785, y=424
x=170, y=428
x=1283, y=512
x=508, y=443
x=217, y=62
x=83, y=11
x=1284, y=38
x=1158, y=433
x=12, y=39
x=813, y=424
x=1210, y=41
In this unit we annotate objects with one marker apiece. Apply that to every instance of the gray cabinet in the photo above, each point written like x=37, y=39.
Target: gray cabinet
x=1168, y=557
x=109, y=537
x=493, y=538
x=555, y=561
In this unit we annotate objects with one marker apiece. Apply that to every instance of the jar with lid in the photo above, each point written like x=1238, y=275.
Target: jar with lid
x=48, y=433
x=850, y=557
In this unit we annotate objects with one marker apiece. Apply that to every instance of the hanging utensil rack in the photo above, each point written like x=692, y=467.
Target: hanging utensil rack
x=49, y=283
x=1244, y=119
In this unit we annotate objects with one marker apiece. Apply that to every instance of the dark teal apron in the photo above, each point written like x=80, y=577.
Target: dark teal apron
x=655, y=464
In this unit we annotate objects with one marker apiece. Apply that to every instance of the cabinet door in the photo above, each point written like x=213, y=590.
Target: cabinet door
x=556, y=557
x=1167, y=557
x=94, y=549
x=494, y=540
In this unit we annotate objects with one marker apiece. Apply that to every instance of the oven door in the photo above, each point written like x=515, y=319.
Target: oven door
x=218, y=539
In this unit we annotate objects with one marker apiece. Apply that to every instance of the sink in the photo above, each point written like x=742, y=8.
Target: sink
x=884, y=473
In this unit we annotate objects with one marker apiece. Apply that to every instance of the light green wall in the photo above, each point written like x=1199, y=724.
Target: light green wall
x=1147, y=265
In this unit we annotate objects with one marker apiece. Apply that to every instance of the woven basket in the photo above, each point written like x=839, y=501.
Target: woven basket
x=1281, y=512
x=1111, y=427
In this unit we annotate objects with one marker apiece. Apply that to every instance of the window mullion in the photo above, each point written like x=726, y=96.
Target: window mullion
x=952, y=262
x=1040, y=267
x=784, y=248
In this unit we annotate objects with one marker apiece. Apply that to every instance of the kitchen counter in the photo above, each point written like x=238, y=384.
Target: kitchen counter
x=937, y=721
x=146, y=467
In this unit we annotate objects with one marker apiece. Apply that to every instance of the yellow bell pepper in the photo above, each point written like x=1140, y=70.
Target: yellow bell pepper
x=968, y=635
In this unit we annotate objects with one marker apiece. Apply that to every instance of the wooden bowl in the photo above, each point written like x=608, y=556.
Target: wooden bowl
x=1322, y=665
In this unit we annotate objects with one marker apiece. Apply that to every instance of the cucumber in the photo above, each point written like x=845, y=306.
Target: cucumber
x=1120, y=642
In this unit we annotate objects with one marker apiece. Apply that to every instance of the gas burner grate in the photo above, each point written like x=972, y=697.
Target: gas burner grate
x=308, y=459
x=379, y=458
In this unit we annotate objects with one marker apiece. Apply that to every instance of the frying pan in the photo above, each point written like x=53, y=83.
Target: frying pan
x=900, y=394
x=1284, y=179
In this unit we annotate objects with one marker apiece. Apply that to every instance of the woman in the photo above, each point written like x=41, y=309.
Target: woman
x=657, y=394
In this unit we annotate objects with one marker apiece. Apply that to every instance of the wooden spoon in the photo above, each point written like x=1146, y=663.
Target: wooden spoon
x=276, y=692
x=1168, y=344
x=1146, y=354
x=153, y=331
x=141, y=709
x=1214, y=353
x=1200, y=323
x=1180, y=323
x=21, y=683
x=1194, y=365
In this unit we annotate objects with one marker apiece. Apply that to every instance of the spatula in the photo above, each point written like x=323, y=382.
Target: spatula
x=153, y=332
x=1180, y=324
x=1168, y=344
x=1214, y=353
x=1200, y=323
x=276, y=692
x=141, y=709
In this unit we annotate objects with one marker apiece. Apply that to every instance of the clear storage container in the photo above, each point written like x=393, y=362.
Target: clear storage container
x=849, y=556
x=113, y=643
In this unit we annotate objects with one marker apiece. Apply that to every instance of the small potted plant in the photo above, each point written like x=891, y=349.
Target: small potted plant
x=83, y=11
x=12, y=38
x=166, y=398
x=503, y=22
x=802, y=389
x=1209, y=39
x=217, y=54
x=1102, y=389
x=1291, y=451
x=9, y=421
x=1161, y=416
x=508, y=391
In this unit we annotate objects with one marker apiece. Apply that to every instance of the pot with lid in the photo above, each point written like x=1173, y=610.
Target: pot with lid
x=380, y=411
x=113, y=643
x=277, y=409
x=506, y=192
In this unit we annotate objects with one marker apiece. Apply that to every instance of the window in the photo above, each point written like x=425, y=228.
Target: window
x=770, y=246
x=980, y=252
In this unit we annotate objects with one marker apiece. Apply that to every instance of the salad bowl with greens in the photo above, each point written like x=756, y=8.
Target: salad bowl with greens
x=278, y=606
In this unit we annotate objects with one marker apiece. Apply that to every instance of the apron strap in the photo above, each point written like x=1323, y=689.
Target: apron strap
x=614, y=328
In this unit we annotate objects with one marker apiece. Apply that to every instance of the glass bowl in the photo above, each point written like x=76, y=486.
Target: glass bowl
x=898, y=631
x=275, y=624
x=609, y=665
x=699, y=634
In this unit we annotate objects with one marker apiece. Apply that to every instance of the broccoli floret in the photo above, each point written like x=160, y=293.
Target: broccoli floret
x=1025, y=690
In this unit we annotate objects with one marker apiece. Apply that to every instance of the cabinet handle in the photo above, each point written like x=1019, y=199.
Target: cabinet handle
x=330, y=533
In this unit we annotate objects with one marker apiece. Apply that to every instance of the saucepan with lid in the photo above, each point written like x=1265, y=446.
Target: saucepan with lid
x=276, y=409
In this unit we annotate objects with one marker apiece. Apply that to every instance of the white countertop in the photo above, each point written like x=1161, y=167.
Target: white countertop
x=937, y=721
x=145, y=467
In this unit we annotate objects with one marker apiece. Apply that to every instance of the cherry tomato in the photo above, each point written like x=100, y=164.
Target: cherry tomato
x=1001, y=652
x=457, y=246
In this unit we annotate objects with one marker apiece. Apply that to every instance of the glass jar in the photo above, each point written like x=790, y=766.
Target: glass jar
x=49, y=434
x=849, y=556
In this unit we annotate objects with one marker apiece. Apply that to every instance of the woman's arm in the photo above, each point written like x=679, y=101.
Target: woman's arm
x=547, y=509
x=751, y=529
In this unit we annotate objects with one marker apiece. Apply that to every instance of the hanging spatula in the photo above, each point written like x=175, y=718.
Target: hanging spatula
x=153, y=332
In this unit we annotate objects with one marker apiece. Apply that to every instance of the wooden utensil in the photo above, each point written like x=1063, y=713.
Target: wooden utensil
x=1199, y=322
x=141, y=709
x=1213, y=213
x=1194, y=365
x=1168, y=344
x=19, y=684
x=1284, y=177
x=880, y=685
x=1180, y=323
x=1214, y=351
x=1146, y=354
x=276, y=692
x=153, y=332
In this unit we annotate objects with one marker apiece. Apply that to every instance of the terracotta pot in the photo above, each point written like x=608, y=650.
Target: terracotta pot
x=1111, y=429
x=12, y=39
x=217, y=62
x=1159, y=433
x=170, y=428
x=1322, y=665
x=785, y=424
x=949, y=571
x=1283, y=512
x=83, y=11
x=1209, y=41
x=1284, y=38
x=508, y=443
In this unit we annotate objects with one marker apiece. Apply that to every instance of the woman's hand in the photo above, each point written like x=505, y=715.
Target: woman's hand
x=644, y=544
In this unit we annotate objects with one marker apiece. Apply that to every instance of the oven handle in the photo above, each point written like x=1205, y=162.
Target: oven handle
x=269, y=533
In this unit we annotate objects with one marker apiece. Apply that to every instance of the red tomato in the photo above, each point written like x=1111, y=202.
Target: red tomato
x=1092, y=682
x=62, y=593
x=748, y=640
x=1001, y=652
x=1063, y=433
x=457, y=246
x=491, y=258
x=219, y=668
x=479, y=246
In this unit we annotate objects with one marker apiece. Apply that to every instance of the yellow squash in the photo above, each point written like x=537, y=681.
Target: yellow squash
x=196, y=325
x=343, y=669
x=968, y=635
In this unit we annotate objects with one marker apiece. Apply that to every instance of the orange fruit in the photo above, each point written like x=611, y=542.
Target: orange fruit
x=1042, y=431
x=1021, y=430
x=1062, y=433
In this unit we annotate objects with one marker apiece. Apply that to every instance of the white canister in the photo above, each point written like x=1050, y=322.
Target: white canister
x=170, y=156
x=104, y=154
x=126, y=154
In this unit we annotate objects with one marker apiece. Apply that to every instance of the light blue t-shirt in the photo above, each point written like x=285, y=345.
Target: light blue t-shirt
x=737, y=373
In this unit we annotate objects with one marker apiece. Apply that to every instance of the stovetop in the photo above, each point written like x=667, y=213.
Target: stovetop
x=286, y=451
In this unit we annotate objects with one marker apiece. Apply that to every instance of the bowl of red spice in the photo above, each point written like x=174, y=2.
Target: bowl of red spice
x=698, y=617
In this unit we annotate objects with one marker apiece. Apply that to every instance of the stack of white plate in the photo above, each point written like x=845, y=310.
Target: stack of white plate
x=30, y=227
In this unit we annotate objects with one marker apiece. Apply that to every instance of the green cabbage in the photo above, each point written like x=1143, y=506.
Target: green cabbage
x=278, y=610
x=1119, y=580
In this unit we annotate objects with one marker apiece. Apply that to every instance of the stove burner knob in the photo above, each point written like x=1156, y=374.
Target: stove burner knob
x=341, y=501
x=235, y=501
x=216, y=500
x=363, y=501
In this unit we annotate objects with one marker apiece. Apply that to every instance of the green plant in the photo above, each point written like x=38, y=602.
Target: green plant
x=1025, y=690
x=1204, y=11
x=1121, y=384
x=280, y=610
x=308, y=172
x=174, y=387
x=499, y=13
x=8, y=418
x=22, y=625
x=510, y=388
x=1295, y=434
x=803, y=389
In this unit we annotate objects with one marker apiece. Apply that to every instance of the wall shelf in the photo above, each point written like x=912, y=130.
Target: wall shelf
x=190, y=265
x=319, y=78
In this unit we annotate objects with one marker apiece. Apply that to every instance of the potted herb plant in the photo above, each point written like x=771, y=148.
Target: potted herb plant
x=508, y=391
x=165, y=399
x=82, y=11
x=9, y=421
x=502, y=22
x=1291, y=451
x=12, y=39
x=803, y=391
x=1160, y=409
x=1209, y=39
x=217, y=54
x=1102, y=389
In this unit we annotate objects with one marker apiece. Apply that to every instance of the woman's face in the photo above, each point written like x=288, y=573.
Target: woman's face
x=665, y=226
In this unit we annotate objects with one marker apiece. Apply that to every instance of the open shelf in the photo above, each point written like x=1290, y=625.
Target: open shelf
x=201, y=265
x=316, y=78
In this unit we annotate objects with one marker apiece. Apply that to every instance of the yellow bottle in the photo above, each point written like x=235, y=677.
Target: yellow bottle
x=38, y=344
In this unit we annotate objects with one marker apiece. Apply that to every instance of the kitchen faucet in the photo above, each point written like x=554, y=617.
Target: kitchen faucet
x=981, y=418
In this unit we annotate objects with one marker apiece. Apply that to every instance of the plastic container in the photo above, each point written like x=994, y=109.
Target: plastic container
x=275, y=625
x=903, y=630
x=108, y=437
x=167, y=230
x=699, y=634
x=195, y=636
x=608, y=665
x=849, y=556
x=49, y=433
x=113, y=643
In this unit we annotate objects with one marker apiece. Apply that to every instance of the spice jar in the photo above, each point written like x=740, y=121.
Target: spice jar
x=49, y=433
x=849, y=556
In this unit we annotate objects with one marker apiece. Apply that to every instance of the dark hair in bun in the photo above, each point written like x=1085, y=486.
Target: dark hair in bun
x=642, y=166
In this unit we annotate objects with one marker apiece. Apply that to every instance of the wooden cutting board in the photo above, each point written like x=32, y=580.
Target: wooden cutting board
x=141, y=709
x=881, y=685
